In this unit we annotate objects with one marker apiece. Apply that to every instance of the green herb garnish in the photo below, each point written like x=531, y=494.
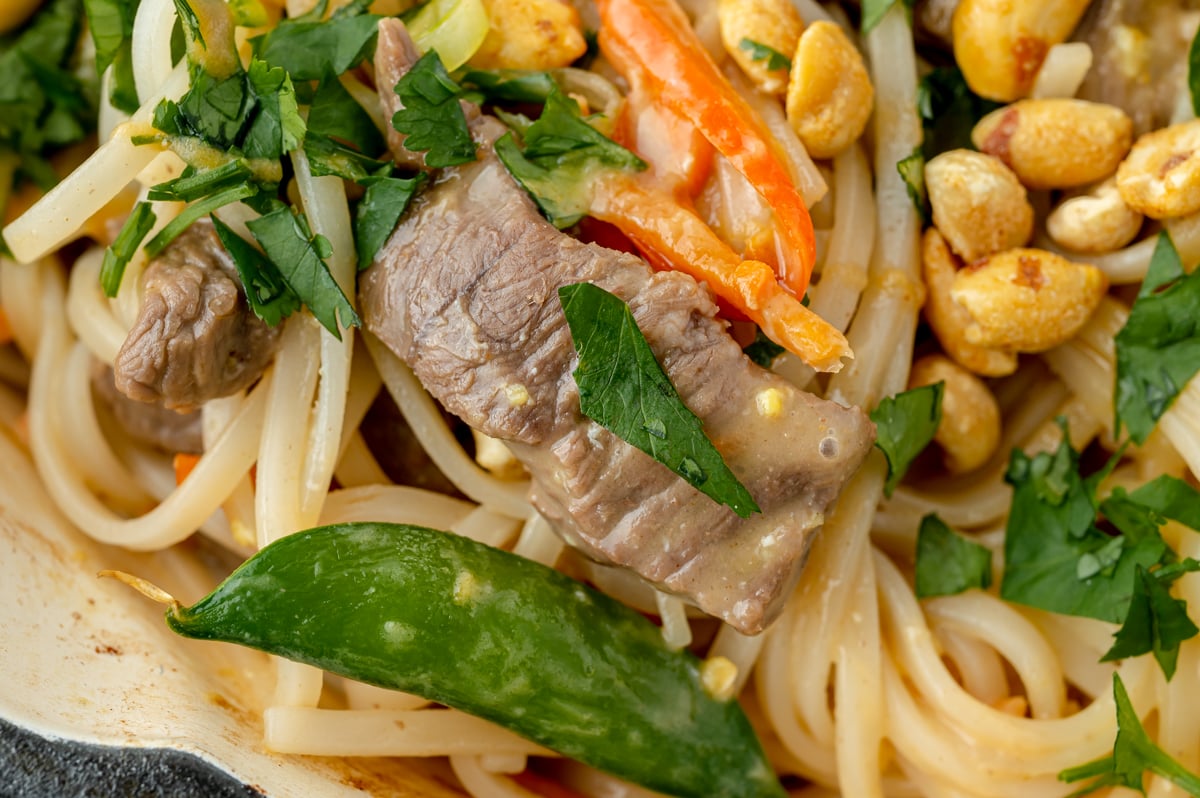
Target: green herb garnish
x=763, y=351
x=267, y=293
x=873, y=12
x=111, y=26
x=561, y=151
x=949, y=110
x=912, y=172
x=948, y=563
x=905, y=424
x=379, y=211
x=1133, y=754
x=761, y=52
x=300, y=258
x=623, y=388
x=1158, y=349
x=117, y=256
x=309, y=48
x=432, y=118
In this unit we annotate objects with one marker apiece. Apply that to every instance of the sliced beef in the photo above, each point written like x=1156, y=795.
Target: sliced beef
x=152, y=425
x=465, y=292
x=196, y=338
x=1140, y=57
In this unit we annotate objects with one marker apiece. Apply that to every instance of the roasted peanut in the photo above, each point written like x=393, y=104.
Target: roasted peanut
x=1027, y=300
x=970, y=427
x=979, y=206
x=772, y=23
x=829, y=95
x=1056, y=143
x=1000, y=44
x=1161, y=176
x=530, y=34
x=1096, y=222
x=949, y=320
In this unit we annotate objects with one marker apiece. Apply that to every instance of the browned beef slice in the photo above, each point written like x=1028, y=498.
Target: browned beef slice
x=1140, y=57
x=465, y=292
x=153, y=425
x=196, y=338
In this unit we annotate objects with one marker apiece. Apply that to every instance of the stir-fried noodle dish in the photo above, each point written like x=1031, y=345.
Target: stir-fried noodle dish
x=712, y=397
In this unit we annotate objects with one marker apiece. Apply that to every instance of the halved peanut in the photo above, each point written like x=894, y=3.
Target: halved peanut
x=969, y=431
x=1027, y=300
x=1056, y=143
x=979, y=205
x=530, y=34
x=1161, y=176
x=829, y=95
x=1000, y=44
x=949, y=320
x=772, y=23
x=1099, y=221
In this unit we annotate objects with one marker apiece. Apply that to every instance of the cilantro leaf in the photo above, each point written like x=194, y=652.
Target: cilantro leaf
x=1172, y=498
x=1158, y=349
x=267, y=294
x=763, y=351
x=432, y=118
x=111, y=25
x=1156, y=622
x=513, y=85
x=873, y=12
x=379, y=211
x=624, y=389
x=334, y=114
x=315, y=49
x=912, y=172
x=561, y=150
x=761, y=52
x=117, y=256
x=1133, y=754
x=277, y=128
x=299, y=256
x=948, y=563
x=949, y=110
x=1055, y=556
x=905, y=424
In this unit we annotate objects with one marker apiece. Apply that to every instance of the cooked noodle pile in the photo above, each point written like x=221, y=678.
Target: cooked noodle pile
x=858, y=689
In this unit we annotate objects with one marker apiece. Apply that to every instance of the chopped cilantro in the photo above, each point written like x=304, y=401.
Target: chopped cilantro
x=949, y=110
x=763, y=350
x=624, y=389
x=905, y=424
x=333, y=113
x=561, y=150
x=512, y=85
x=432, y=118
x=1133, y=754
x=300, y=258
x=277, y=128
x=117, y=256
x=1171, y=498
x=761, y=52
x=948, y=563
x=43, y=105
x=912, y=172
x=308, y=48
x=1158, y=349
x=380, y=209
x=111, y=25
x=873, y=12
x=267, y=293
x=1156, y=621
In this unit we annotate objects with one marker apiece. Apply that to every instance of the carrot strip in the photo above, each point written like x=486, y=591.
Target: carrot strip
x=6, y=333
x=653, y=45
x=184, y=465
x=672, y=233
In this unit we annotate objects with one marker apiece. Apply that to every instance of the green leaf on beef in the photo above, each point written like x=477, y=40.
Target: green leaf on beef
x=432, y=118
x=905, y=424
x=948, y=563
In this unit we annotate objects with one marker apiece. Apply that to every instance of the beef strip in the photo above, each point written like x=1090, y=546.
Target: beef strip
x=195, y=338
x=152, y=425
x=465, y=292
x=1140, y=57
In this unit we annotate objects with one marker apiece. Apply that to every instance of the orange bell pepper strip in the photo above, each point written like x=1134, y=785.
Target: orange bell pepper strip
x=652, y=43
x=184, y=465
x=6, y=333
x=671, y=233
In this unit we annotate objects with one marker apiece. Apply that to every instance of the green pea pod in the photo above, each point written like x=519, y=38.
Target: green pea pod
x=495, y=635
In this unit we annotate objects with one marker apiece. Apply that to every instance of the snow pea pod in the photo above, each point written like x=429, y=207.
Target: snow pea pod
x=496, y=635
